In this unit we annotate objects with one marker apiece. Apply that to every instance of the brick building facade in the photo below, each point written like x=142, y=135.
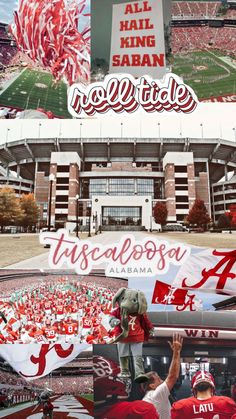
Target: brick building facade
x=114, y=183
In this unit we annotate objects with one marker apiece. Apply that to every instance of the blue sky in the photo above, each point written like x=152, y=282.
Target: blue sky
x=7, y=8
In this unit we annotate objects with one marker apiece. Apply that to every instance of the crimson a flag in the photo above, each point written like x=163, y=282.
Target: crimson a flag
x=166, y=294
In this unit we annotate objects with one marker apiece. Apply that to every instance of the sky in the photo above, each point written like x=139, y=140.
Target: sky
x=218, y=121
x=7, y=8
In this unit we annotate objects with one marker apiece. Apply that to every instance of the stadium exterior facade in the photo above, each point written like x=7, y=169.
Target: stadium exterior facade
x=114, y=183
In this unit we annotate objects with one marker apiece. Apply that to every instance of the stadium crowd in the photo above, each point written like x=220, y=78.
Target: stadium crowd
x=195, y=8
x=67, y=384
x=203, y=38
x=56, y=310
x=7, y=53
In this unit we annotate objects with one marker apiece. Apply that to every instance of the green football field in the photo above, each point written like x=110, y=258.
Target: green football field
x=33, y=89
x=87, y=396
x=209, y=74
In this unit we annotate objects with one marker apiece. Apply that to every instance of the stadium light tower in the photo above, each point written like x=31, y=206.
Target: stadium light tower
x=159, y=130
x=39, y=128
x=51, y=180
x=201, y=125
x=89, y=206
x=8, y=129
x=234, y=129
x=77, y=215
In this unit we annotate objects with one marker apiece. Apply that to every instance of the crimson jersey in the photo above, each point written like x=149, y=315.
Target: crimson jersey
x=70, y=328
x=216, y=407
x=60, y=309
x=50, y=332
x=87, y=323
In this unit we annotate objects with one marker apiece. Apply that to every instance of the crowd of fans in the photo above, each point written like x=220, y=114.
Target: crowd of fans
x=11, y=379
x=14, y=389
x=67, y=384
x=203, y=38
x=65, y=380
x=230, y=14
x=195, y=8
x=7, y=53
x=58, y=309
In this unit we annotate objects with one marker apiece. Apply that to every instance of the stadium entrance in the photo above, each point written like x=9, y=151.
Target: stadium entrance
x=222, y=368
x=121, y=217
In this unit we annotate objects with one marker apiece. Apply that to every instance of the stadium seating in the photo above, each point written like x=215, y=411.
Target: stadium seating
x=67, y=384
x=204, y=38
x=7, y=53
x=195, y=8
x=230, y=14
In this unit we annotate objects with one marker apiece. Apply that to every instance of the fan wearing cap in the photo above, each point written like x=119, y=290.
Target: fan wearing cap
x=156, y=390
x=204, y=404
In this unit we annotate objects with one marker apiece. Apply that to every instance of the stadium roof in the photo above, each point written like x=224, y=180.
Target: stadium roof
x=212, y=319
x=229, y=302
x=216, y=152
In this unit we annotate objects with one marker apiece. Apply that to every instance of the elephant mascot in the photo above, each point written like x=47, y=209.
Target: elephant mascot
x=131, y=328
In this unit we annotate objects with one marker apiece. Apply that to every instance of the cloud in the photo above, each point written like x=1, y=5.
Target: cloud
x=7, y=9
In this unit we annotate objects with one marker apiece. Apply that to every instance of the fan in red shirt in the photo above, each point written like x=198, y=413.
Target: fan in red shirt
x=204, y=404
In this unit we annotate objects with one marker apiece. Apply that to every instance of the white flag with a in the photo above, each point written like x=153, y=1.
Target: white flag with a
x=33, y=361
x=209, y=270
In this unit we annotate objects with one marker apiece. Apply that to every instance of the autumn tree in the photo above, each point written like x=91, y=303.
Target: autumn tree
x=30, y=210
x=232, y=214
x=224, y=221
x=198, y=214
x=160, y=213
x=10, y=210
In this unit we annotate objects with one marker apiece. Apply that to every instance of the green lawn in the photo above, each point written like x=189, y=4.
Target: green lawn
x=202, y=80
x=34, y=89
x=87, y=396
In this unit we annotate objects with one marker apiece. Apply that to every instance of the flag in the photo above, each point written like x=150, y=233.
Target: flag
x=33, y=361
x=165, y=294
x=209, y=270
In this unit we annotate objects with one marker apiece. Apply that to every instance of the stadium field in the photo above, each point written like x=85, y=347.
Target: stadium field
x=87, y=396
x=207, y=73
x=33, y=89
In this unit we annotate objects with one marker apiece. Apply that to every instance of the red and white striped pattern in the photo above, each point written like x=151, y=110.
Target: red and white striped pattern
x=47, y=32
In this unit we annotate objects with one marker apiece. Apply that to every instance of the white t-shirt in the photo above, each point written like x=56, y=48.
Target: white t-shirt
x=160, y=399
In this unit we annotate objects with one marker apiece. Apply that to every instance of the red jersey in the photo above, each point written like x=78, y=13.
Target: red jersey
x=47, y=305
x=60, y=309
x=87, y=323
x=49, y=332
x=139, y=326
x=216, y=407
x=38, y=318
x=70, y=328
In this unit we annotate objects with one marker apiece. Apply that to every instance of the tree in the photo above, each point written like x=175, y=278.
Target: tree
x=30, y=210
x=224, y=221
x=160, y=213
x=232, y=214
x=10, y=210
x=198, y=214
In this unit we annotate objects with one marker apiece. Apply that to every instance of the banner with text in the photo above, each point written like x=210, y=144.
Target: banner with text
x=137, y=39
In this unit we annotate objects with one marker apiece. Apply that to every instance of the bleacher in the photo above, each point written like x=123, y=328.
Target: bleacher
x=203, y=38
x=195, y=9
